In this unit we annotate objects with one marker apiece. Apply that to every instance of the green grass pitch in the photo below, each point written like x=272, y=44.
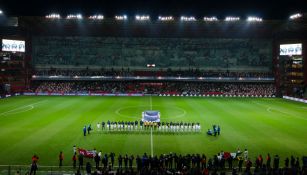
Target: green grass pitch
x=47, y=125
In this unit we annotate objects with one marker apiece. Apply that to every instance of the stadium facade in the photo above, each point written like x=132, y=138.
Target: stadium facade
x=152, y=48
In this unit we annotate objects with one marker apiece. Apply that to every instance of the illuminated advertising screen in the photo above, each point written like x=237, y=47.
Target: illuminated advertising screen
x=13, y=45
x=291, y=49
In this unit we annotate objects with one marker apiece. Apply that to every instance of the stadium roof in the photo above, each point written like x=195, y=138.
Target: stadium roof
x=274, y=9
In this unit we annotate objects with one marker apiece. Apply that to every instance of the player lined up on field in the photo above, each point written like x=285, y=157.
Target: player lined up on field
x=145, y=125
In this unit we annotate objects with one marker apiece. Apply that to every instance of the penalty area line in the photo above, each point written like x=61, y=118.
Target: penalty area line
x=16, y=110
x=269, y=109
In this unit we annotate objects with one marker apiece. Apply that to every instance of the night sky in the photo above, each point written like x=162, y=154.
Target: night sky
x=267, y=9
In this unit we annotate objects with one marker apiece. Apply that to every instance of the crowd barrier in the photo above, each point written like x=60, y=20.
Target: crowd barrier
x=10, y=95
x=200, y=79
x=139, y=94
x=80, y=94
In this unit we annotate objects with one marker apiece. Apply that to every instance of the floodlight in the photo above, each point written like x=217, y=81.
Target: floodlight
x=165, y=18
x=96, y=17
x=254, y=19
x=210, y=19
x=74, y=16
x=232, y=18
x=187, y=18
x=121, y=17
x=142, y=17
x=53, y=16
x=295, y=16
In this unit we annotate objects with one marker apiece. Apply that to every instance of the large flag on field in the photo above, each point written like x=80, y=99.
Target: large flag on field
x=151, y=116
x=86, y=153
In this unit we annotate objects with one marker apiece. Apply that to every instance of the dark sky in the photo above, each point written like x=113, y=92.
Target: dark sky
x=268, y=9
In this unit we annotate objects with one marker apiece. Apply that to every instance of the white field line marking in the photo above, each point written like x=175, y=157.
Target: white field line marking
x=271, y=110
x=25, y=109
x=285, y=113
x=151, y=142
x=16, y=109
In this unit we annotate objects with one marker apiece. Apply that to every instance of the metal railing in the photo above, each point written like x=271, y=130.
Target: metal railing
x=42, y=170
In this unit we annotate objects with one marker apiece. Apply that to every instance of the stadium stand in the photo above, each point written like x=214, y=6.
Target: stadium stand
x=246, y=54
x=2, y=91
x=12, y=72
x=181, y=88
x=168, y=72
x=82, y=57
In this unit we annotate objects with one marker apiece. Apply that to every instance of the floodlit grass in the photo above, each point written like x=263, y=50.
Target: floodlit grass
x=47, y=125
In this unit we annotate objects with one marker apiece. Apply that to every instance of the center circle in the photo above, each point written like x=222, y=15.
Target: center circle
x=166, y=112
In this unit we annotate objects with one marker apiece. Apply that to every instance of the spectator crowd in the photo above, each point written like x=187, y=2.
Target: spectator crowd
x=168, y=72
x=181, y=88
x=222, y=163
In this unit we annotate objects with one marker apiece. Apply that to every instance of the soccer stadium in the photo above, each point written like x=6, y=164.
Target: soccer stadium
x=152, y=94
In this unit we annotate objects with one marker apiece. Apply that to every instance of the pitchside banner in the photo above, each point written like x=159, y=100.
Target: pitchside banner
x=79, y=94
x=138, y=95
x=295, y=99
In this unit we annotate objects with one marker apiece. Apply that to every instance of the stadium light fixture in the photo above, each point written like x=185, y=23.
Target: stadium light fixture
x=187, y=18
x=165, y=18
x=295, y=16
x=1, y=12
x=76, y=16
x=53, y=16
x=142, y=17
x=232, y=18
x=254, y=19
x=96, y=17
x=210, y=19
x=121, y=17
